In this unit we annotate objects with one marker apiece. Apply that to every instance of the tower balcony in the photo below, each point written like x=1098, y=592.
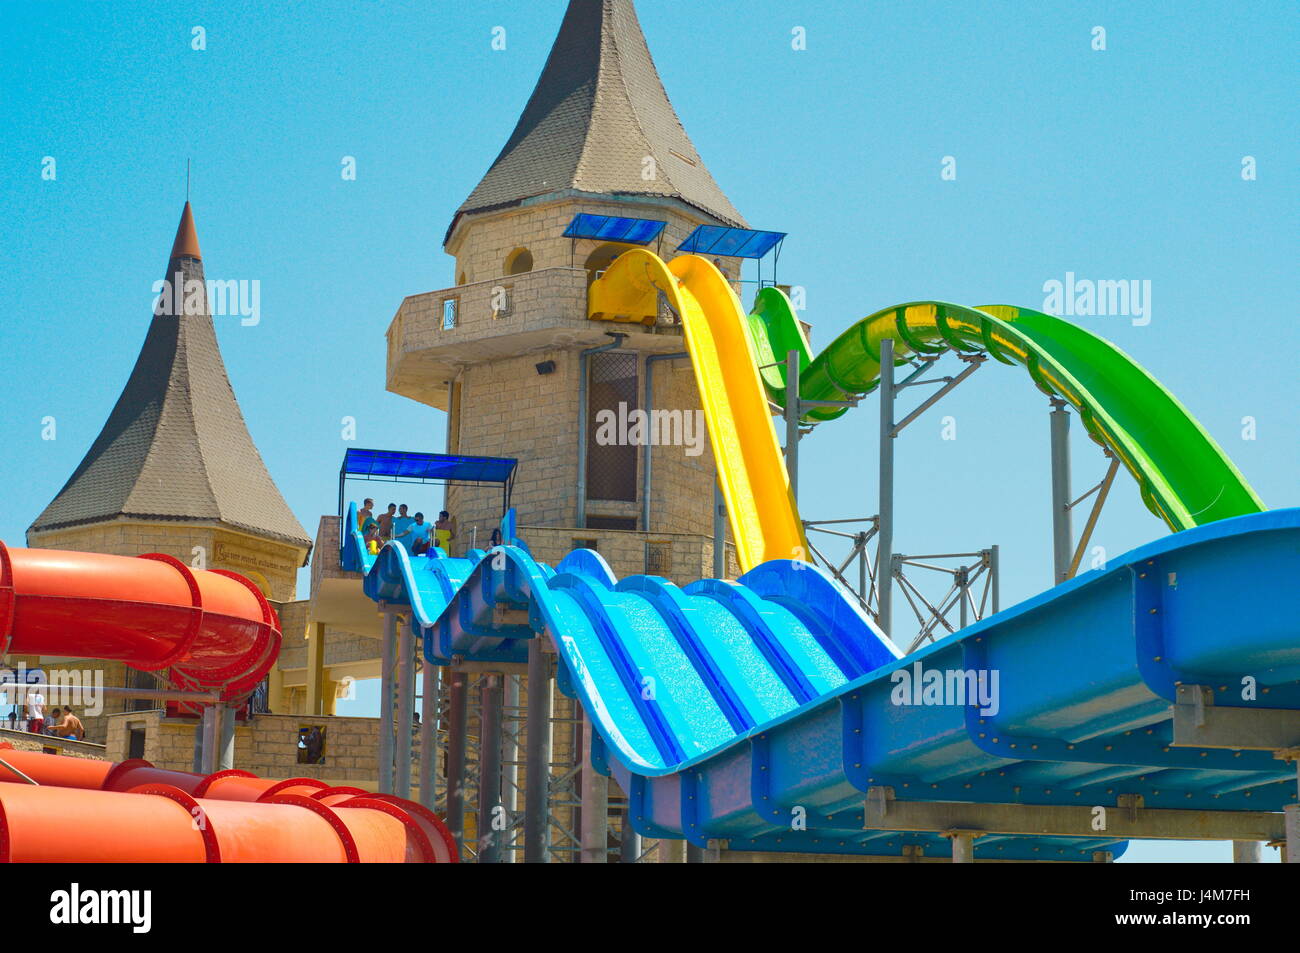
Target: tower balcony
x=436, y=333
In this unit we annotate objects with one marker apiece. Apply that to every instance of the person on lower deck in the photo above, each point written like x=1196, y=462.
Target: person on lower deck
x=445, y=531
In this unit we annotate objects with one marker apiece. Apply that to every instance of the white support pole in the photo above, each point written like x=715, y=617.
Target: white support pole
x=387, y=651
x=885, y=537
x=1062, y=529
x=429, y=704
x=1246, y=852
x=963, y=847
x=210, y=739
x=226, y=738
x=595, y=805
x=537, y=777
x=405, y=710
x=1292, y=846
x=510, y=755
x=792, y=422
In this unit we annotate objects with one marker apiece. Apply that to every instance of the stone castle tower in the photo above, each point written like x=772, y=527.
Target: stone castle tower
x=507, y=351
x=174, y=469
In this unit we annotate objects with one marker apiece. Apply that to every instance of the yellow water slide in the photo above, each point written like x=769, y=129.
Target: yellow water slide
x=764, y=519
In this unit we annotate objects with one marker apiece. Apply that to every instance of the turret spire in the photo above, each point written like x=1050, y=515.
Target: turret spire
x=599, y=121
x=175, y=446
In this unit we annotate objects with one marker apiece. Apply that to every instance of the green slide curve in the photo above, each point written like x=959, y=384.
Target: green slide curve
x=1184, y=477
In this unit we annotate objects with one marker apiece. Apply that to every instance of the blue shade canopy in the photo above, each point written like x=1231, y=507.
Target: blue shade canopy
x=731, y=242
x=401, y=465
x=612, y=228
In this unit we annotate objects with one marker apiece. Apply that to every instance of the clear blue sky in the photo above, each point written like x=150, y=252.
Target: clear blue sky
x=1123, y=163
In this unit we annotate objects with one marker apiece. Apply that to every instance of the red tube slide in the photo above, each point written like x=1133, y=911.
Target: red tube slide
x=83, y=811
x=210, y=629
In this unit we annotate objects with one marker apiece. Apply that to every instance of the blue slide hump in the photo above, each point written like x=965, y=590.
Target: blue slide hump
x=724, y=709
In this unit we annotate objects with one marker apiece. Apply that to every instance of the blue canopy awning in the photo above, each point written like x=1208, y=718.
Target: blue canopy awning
x=730, y=242
x=405, y=465
x=614, y=228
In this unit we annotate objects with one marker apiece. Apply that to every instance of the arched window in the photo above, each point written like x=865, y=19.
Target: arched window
x=602, y=258
x=519, y=262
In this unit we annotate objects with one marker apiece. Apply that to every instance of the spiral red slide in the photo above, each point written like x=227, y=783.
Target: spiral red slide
x=205, y=629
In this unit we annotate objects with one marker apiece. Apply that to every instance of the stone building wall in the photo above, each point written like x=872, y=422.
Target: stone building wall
x=483, y=242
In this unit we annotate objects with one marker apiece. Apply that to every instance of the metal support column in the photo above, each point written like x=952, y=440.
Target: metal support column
x=457, y=739
x=492, y=821
x=1246, y=852
x=963, y=846
x=431, y=692
x=387, y=651
x=226, y=737
x=719, y=532
x=792, y=422
x=885, y=536
x=510, y=751
x=995, y=579
x=405, y=710
x=595, y=805
x=630, y=846
x=537, y=777
x=1292, y=821
x=1062, y=531
x=211, y=727
x=197, y=764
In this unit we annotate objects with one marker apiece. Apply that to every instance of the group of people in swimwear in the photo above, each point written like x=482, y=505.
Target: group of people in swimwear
x=411, y=531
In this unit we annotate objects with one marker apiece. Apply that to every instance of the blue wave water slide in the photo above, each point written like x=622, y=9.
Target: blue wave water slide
x=725, y=709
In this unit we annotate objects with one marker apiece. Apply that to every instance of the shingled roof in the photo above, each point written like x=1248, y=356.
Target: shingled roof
x=175, y=446
x=599, y=109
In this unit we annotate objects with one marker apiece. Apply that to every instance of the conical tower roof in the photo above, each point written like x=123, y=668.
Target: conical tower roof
x=598, y=111
x=176, y=446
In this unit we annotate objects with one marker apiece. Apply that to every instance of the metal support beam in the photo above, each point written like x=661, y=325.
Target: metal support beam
x=1292, y=846
x=1102, y=490
x=1130, y=820
x=492, y=822
x=885, y=519
x=704, y=855
x=537, y=777
x=430, y=701
x=630, y=846
x=972, y=365
x=995, y=578
x=457, y=740
x=1246, y=851
x=387, y=653
x=792, y=410
x=595, y=805
x=1062, y=533
x=211, y=728
x=1199, y=723
x=405, y=710
x=963, y=845
x=225, y=737
x=197, y=765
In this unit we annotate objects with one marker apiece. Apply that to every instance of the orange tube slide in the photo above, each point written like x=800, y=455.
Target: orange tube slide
x=83, y=811
x=210, y=630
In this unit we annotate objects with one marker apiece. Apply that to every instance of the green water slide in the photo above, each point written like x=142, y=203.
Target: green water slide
x=1184, y=476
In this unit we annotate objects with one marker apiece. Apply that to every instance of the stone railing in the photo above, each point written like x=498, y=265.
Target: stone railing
x=505, y=305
